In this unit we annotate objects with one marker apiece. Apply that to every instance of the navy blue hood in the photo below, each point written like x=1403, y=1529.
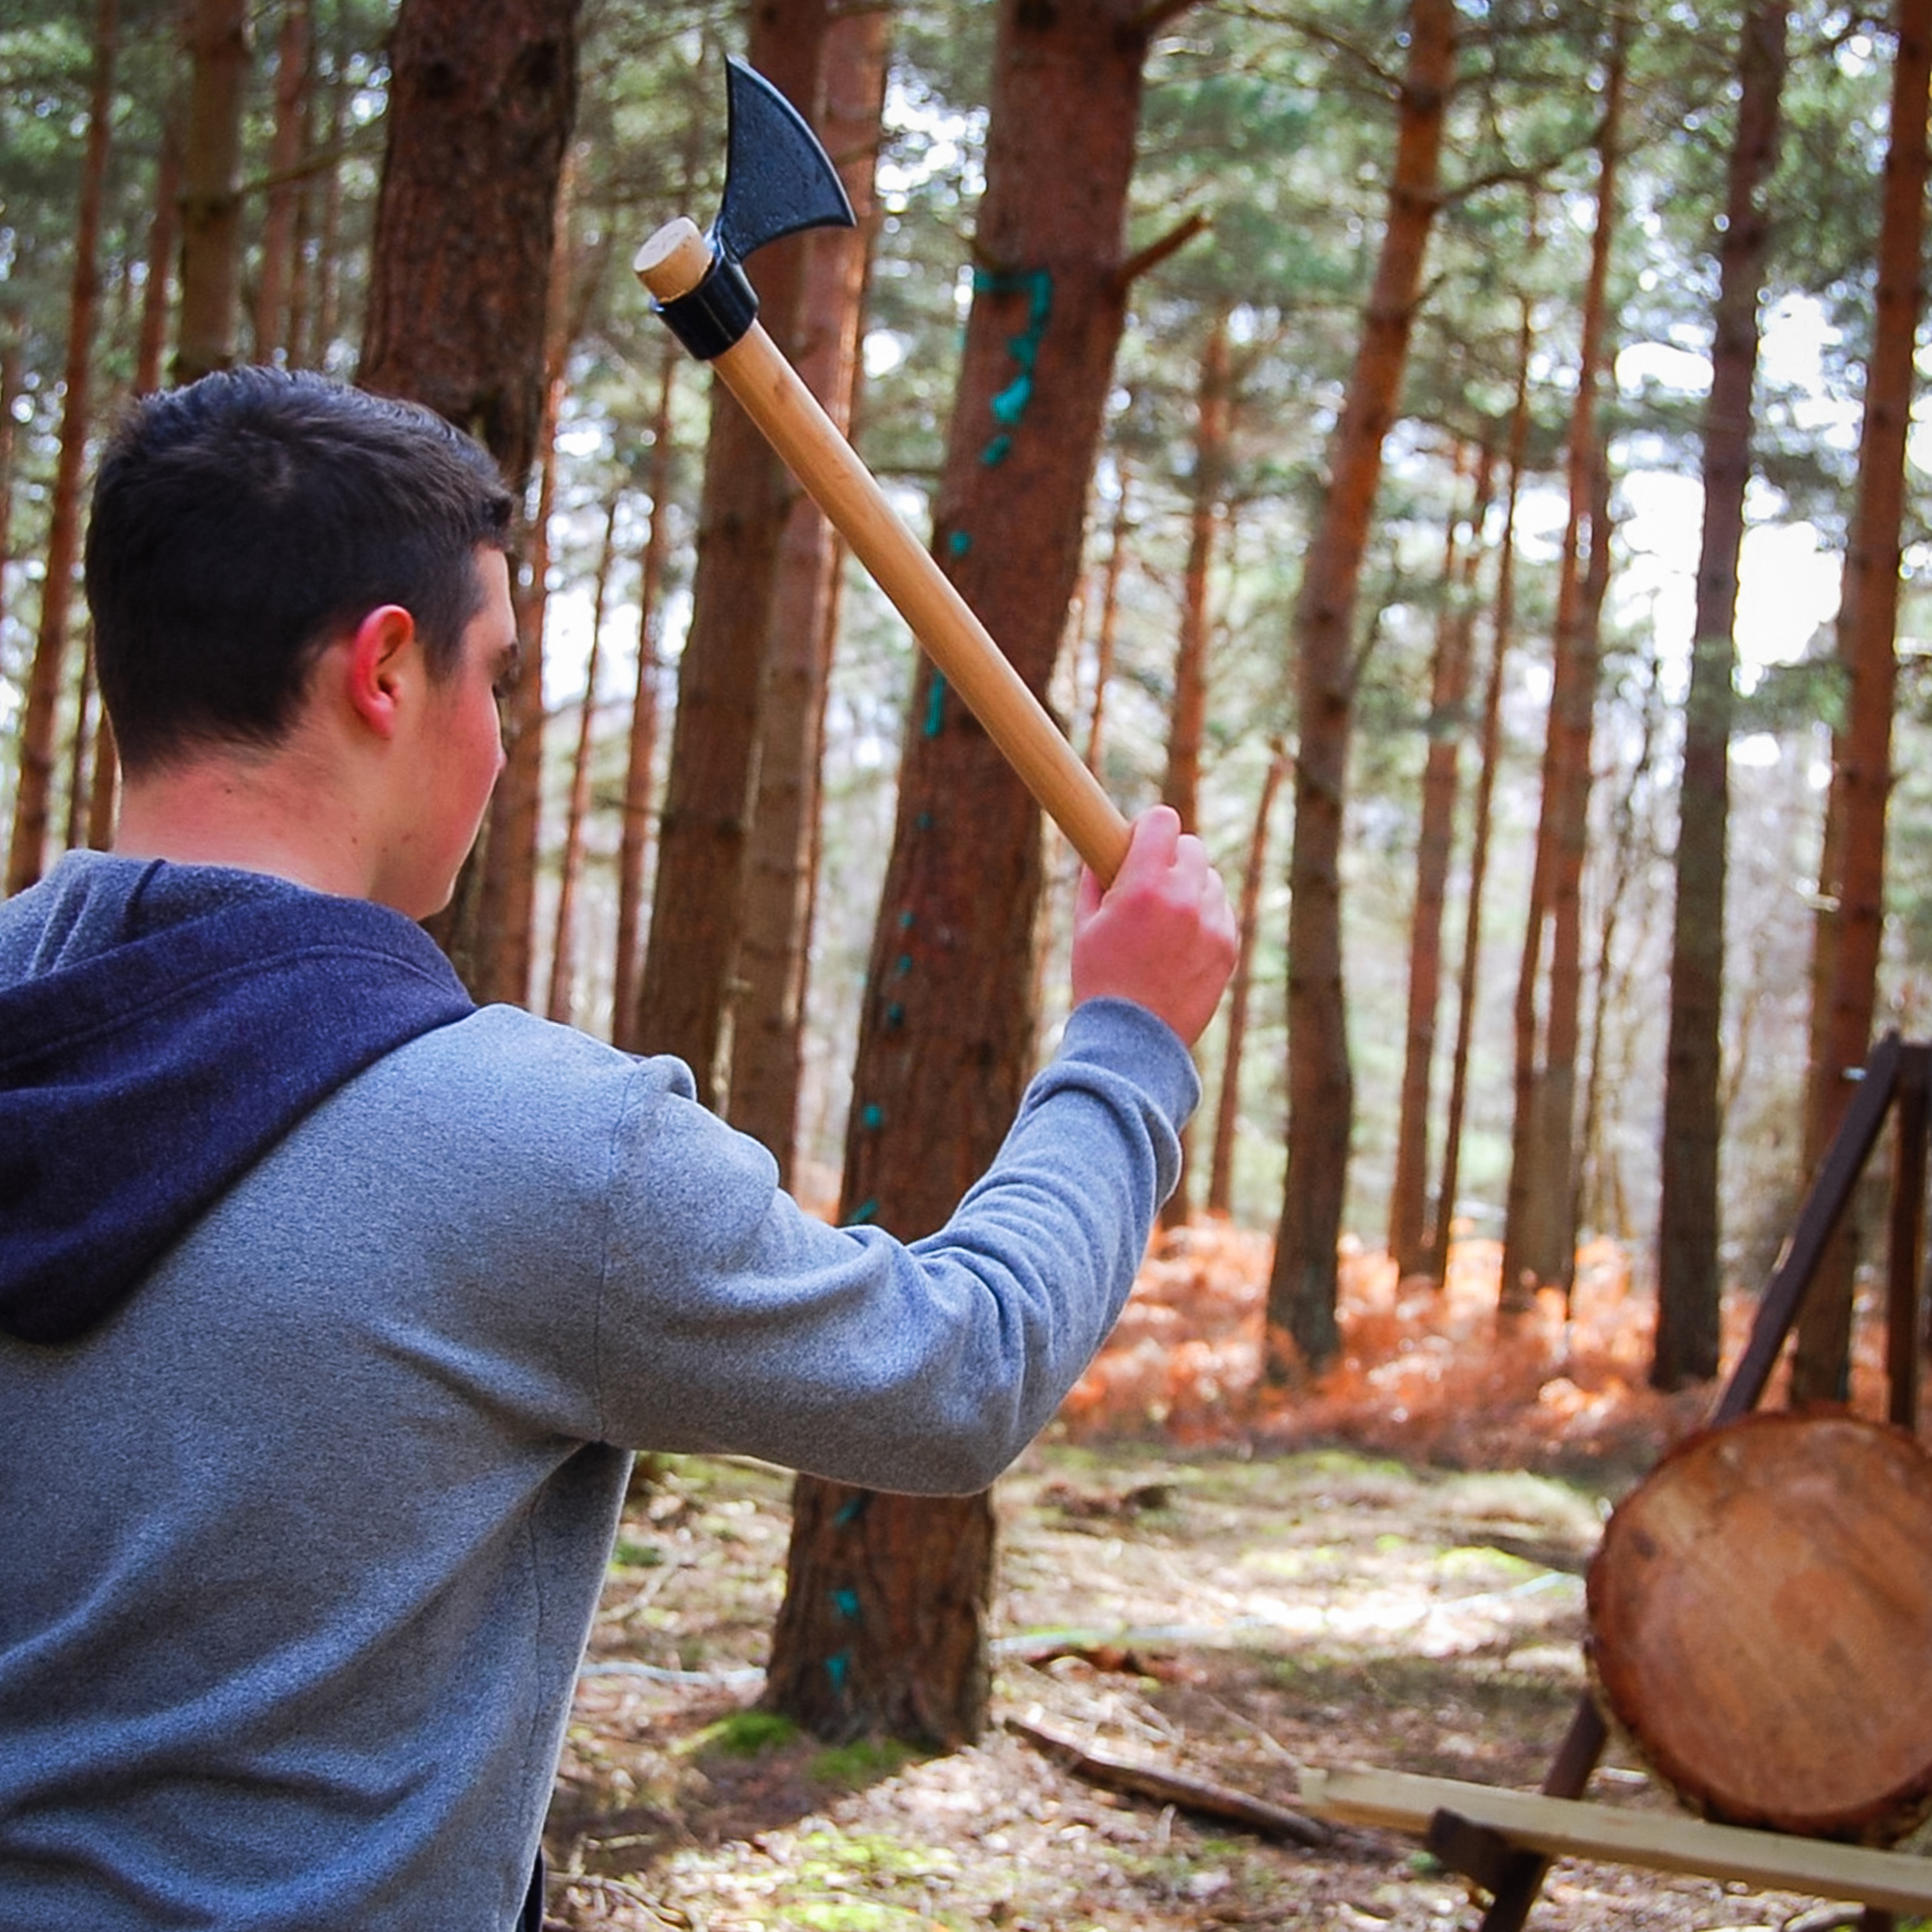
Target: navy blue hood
x=161, y=1026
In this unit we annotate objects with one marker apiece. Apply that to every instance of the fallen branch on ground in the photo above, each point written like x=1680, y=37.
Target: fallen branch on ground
x=1167, y=1787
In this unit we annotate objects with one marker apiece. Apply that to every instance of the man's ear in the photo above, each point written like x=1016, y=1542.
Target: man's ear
x=381, y=654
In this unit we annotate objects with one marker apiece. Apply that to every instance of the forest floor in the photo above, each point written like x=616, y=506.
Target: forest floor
x=1384, y=1570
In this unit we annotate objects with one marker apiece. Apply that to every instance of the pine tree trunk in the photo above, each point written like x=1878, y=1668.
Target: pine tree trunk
x=570, y=871
x=768, y=1030
x=164, y=227
x=1488, y=755
x=1303, y=1282
x=13, y=342
x=1107, y=634
x=883, y=1623
x=80, y=744
x=698, y=908
x=1539, y=1239
x=634, y=841
x=1187, y=719
x=495, y=910
x=1448, y=704
x=1596, y=590
x=211, y=194
x=481, y=105
x=1689, y=1283
x=320, y=300
x=1240, y=986
x=1867, y=628
x=27, y=853
x=272, y=326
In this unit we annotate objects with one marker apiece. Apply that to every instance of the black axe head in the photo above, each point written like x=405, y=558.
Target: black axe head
x=777, y=179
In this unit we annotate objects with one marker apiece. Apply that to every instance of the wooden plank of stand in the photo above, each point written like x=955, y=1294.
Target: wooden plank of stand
x=1566, y=1828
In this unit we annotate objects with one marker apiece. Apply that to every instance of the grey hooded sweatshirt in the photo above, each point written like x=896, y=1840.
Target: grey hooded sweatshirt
x=300, y=1541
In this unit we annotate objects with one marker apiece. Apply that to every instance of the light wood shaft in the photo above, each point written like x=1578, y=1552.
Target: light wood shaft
x=806, y=438
x=1565, y=1827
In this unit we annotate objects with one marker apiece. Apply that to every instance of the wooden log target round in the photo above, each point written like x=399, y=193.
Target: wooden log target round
x=1760, y=1625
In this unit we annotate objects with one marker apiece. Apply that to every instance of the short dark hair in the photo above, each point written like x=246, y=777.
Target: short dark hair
x=243, y=522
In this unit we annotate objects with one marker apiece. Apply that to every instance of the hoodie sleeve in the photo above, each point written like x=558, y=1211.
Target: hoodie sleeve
x=731, y=1320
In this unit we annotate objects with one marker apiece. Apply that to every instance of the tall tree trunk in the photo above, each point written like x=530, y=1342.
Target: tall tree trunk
x=699, y=905
x=1107, y=634
x=163, y=227
x=274, y=328
x=1187, y=719
x=503, y=937
x=1448, y=706
x=27, y=853
x=1240, y=986
x=321, y=299
x=1302, y=1283
x=883, y=1622
x=151, y=345
x=1867, y=628
x=570, y=867
x=1688, y=1280
x=481, y=105
x=79, y=744
x=211, y=194
x=1488, y=755
x=1539, y=1241
x=1603, y=1200
x=12, y=375
x=768, y=1044
x=1596, y=590
x=634, y=841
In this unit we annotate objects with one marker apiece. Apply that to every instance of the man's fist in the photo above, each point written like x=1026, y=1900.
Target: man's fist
x=1161, y=935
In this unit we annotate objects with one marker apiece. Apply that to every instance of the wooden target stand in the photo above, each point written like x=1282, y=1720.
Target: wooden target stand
x=1505, y=1841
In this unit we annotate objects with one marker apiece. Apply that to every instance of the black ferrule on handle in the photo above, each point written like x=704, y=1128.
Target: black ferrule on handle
x=715, y=314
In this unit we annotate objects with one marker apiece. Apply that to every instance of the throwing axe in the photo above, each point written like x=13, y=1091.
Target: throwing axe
x=778, y=179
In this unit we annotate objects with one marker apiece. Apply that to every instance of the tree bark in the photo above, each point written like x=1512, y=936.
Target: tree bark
x=698, y=908
x=1187, y=719
x=1241, y=987
x=883, y=1623
x=501, y=934
x=520, y=83
x=1448, y=705
x=317, y=308
x=1107, y=634
x=569, y=870
x=1539, y=1234
x=634, y=841
x=163, y=229
x=1488, y=755
x=26, y=852
x=13, y=373
x=1302, y=1283
x=481, y=105
x=210, y=194
x=1849, y=936
x=1688, y=1283
x=274, y=326
x=768, y=1030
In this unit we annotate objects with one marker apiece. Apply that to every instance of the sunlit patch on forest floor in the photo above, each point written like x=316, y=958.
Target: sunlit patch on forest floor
x=1385, y=1569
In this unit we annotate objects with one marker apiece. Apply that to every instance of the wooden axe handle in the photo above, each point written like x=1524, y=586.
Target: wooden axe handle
x=671, y=265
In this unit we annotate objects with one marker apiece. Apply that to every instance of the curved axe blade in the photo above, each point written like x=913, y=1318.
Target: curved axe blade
x=778, y=179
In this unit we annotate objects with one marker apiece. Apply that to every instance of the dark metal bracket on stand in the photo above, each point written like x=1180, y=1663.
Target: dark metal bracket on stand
x=1896, y=1072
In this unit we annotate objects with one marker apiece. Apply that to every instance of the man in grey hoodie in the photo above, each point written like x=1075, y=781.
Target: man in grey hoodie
x=333, y=1306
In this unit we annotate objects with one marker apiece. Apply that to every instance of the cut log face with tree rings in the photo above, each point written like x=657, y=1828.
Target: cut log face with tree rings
x=1760, y=1623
